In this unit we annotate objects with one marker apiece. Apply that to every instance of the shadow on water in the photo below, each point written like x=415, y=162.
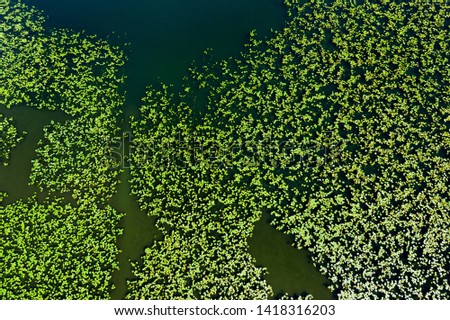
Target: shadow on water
x=289, y=270
x=15, y=177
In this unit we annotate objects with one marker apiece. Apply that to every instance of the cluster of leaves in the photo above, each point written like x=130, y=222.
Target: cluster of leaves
x=355, y=100
x=285, y=296
x=56, y=251
x=75, y=158
x=55, y=70
x=376, y=214
x=351, y=103
x=204, y=218
x=9, y=138
x=52, y=250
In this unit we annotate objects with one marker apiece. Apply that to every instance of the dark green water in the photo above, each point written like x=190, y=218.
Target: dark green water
x=16, y=176
x=139, y=231
x=165, y=37
x=289, y=270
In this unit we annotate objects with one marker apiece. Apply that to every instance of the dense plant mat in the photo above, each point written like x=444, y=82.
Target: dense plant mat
x=9, y=138
x=342, y=121
x=60, y=248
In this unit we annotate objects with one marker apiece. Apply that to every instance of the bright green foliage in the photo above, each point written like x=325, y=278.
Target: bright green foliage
x=9, y=138
x=376, y=215
x=77, y=74
x=205, y=221
x=56, y=251
x=52, y=250
x=372, y=80
x=57, y=70
x=189, y=265
x=361, y=94
x=76, y=158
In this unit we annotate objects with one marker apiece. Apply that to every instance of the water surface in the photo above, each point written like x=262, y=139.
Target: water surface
x=289, y=270
x=165, y=36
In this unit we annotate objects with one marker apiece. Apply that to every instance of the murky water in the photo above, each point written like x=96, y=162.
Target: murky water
x=165, y=36
x=289, y=270
x=139, y=232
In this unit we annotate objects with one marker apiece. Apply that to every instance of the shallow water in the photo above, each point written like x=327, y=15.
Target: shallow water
x=139, y=232
x=289, y=270
x=15, y=178
x=164, y=37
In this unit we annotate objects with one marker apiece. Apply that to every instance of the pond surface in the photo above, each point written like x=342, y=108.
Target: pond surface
x=165, y=37
x=139, y=232
x=289, y=270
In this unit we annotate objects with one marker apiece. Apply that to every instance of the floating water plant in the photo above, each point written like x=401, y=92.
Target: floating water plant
x=9, y=138
x=360, y=92
x=56, y=251
x=338, y=126
x=50, y=249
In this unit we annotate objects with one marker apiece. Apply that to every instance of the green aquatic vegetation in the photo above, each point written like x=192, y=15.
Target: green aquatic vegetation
x=9, y=138
x=300, y=297
x=348, y=83
x=57, y=69
x=359, y=94
x=72, y=72
x=56, y=251
x=204, y=222
x=75, y=158
x=338, y=126
x=198, y=266
x=370, y=216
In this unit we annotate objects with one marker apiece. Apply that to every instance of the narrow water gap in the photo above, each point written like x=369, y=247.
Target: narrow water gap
x=139, y=232
x=289, y=270
x=16, y=176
